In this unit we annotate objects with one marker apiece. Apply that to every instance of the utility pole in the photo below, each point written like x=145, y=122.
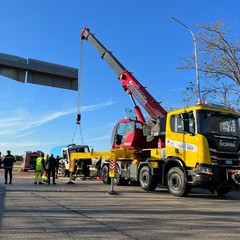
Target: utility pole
x=195, y=57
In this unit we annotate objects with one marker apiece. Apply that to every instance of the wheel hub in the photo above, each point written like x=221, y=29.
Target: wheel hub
x=175, y=181
x=145, y=179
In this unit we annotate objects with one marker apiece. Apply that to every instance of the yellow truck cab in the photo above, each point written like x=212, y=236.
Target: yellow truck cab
x=204, y=140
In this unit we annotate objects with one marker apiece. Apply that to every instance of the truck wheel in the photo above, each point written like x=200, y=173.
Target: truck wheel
x=146, y=180
x=220, y=191
x=61, y=172
x=116, y=181
x=177, y=182
x=105, y=175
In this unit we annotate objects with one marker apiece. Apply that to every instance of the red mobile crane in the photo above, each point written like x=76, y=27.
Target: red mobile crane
x=196, y=146
x=128, y=132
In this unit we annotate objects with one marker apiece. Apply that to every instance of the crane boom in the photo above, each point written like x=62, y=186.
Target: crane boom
x=130, y=84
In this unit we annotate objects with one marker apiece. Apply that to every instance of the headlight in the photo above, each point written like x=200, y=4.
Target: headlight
x=204, y=169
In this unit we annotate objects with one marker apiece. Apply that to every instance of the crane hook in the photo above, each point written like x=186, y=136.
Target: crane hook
x=78, y=118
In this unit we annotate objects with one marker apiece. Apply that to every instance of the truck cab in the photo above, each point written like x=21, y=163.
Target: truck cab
x=205, y=140
x=82, y=166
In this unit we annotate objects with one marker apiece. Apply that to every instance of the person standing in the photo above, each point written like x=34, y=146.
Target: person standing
x=52, y=164
x=45, y=173
x=0, y=159
x=8, y=161
x=40, y=167
x=57, y=165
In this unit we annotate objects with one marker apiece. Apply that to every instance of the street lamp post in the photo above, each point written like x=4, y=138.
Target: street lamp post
x=195, y=57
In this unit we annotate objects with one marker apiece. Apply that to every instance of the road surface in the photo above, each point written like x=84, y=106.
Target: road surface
x=86, y=210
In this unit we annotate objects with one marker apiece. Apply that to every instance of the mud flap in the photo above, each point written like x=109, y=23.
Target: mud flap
x=235, y=176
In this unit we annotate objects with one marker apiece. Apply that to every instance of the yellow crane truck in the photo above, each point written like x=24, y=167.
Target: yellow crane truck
x=197, y=146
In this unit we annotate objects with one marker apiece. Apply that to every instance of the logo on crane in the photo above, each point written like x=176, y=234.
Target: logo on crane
x=137, y=94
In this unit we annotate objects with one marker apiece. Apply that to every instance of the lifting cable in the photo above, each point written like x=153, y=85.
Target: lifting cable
x=78, y=115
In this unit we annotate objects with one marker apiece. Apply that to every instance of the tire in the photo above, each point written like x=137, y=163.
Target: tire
x=146, y=180
x=177, y=182
x=116, y=181
x=220, y=191
x=62, y=172
x=105, y=175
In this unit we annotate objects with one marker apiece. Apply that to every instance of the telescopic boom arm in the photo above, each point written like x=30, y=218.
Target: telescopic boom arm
x=128, y=81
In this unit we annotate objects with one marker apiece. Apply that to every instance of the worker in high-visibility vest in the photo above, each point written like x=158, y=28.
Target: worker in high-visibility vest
x=45, y=172
x=40, y=167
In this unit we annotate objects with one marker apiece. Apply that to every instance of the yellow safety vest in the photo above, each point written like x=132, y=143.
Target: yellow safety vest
x=39, y=165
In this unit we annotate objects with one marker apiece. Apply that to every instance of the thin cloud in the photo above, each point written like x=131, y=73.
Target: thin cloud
x=96, y=106
x=24, y=121
x=18, y=144
x=99, y=138
x=106, y=126
x=24, y=134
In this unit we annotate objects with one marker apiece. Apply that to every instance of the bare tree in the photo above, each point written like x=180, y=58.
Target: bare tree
x=219, y=66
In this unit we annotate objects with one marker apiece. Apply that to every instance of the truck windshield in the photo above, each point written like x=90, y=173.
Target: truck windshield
x=218, y=123
x=79, y=149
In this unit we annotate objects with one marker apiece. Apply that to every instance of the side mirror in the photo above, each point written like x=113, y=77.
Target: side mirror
x=185, y=125
x=185, y=122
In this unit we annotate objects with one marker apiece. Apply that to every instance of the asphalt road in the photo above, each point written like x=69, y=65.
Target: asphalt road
x=85, y=210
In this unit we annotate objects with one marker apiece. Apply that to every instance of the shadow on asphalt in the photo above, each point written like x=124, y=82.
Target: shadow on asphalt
x=2, y=198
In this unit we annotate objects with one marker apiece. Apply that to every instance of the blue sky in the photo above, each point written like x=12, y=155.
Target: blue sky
x=141, y=34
